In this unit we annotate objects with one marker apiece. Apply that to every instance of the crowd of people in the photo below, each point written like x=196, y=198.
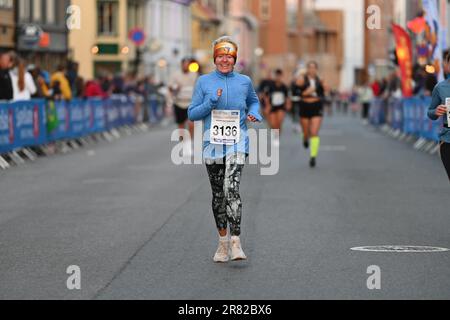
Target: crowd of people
x=20, y=81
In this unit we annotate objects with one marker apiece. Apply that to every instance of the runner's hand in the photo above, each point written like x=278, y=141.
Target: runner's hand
x=441, y=111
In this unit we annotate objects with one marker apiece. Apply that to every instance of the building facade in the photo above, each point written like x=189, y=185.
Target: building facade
x=280, y=34
x=378, y=42
x=353, y=12
x=7, y=25
x=168, y=30
x=41, y=31
x=207, y=19
x=102, y=44
x=243, y=27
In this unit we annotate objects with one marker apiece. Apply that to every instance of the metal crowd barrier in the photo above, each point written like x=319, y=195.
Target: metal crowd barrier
x=37, y=122
x=407, y=115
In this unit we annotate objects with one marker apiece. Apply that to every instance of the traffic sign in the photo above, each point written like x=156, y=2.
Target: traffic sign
x=137, y=35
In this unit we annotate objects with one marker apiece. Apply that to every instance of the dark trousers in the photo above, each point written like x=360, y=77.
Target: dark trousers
x=225, y=178
x=365, y=110
x=445, y=156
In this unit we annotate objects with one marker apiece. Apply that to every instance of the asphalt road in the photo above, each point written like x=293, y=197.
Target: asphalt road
x=140, y=227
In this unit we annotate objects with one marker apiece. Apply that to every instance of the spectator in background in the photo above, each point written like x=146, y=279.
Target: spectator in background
x=76, y=86
x=6, y=89
x=43, y=90
x=81, y=87
x=152, y=99
x=365, y=97
x=94, y=89
x=22, y=81
x=107, y=84
x=181, y=89
x=60, y=84
x=394, y=86
x=430, y=83
x=383, y=87
x=117, y=85
x=419, y=76
x=376, y=88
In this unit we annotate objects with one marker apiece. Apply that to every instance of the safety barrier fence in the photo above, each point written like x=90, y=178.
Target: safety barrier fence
x=38, y=122
x=408, y=116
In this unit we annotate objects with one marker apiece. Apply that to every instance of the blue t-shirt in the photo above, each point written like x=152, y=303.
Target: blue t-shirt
x=440, y=93
x=238, y=94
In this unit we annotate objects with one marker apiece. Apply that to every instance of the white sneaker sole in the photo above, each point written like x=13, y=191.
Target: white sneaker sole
x=239, y=258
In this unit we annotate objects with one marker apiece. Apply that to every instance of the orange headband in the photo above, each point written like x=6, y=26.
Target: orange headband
x=225, y=48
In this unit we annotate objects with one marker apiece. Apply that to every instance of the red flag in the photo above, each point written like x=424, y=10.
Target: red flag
x=417, y=25
x=404, y=56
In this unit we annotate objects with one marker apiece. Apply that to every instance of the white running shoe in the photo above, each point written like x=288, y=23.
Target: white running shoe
x=223, y=252
x=237, y=254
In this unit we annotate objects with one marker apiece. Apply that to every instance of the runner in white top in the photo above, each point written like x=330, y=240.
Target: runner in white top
x=182, y=88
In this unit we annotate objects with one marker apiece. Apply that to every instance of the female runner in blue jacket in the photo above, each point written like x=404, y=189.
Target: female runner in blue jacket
x=225, y=100
x=438, y=108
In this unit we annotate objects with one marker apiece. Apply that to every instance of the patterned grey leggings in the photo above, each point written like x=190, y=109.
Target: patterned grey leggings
x=225, y=177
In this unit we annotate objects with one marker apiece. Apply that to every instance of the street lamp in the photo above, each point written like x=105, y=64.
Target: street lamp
x=259, y=52
x=95, y=50
x=194, y=67
x=125, y=50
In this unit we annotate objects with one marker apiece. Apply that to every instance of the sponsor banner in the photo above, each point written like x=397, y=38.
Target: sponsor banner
x=30, y=125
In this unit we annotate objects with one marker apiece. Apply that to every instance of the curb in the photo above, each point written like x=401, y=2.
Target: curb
x=420, y=144
x=19, y=157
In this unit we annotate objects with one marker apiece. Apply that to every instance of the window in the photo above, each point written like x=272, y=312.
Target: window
x=134, y=15
x=24, y=10
x=37, y=10
x=107, y=17
x=265, y=10
x=292, y=11
x=50, y=12
x=6, y=4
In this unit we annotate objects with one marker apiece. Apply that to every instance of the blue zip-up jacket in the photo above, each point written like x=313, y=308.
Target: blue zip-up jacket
x=440, y=93
x=238, y=94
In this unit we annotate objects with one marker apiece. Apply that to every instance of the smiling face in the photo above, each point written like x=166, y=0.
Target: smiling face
x=312, y=69
x=225, y=63
x=5, y=61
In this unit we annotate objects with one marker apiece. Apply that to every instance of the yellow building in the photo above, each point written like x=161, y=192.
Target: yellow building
x=101, y=44
x=205, y=29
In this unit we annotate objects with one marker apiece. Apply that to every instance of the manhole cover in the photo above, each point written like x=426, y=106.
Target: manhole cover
x=401, y=249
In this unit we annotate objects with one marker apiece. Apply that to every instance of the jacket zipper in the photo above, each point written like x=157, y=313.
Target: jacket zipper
x=226, y=96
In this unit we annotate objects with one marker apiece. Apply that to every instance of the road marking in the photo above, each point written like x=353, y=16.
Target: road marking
x=95, y=181
x=331, y=133
x=400, y=249
x=333, y=148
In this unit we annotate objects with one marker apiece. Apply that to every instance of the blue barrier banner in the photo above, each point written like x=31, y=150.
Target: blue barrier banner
x=88, y=117
x=395, y=111
x=63, y=129
x=98, y=120
x=24, y=123
x=377, y=115
x=127, y=110
x=410, y=118
x=6, y=128
x=77, y=118
x=30, y=126
x=112, y=112
x=430, y=129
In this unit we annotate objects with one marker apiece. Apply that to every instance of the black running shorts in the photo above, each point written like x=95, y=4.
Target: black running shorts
x=311, y=110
